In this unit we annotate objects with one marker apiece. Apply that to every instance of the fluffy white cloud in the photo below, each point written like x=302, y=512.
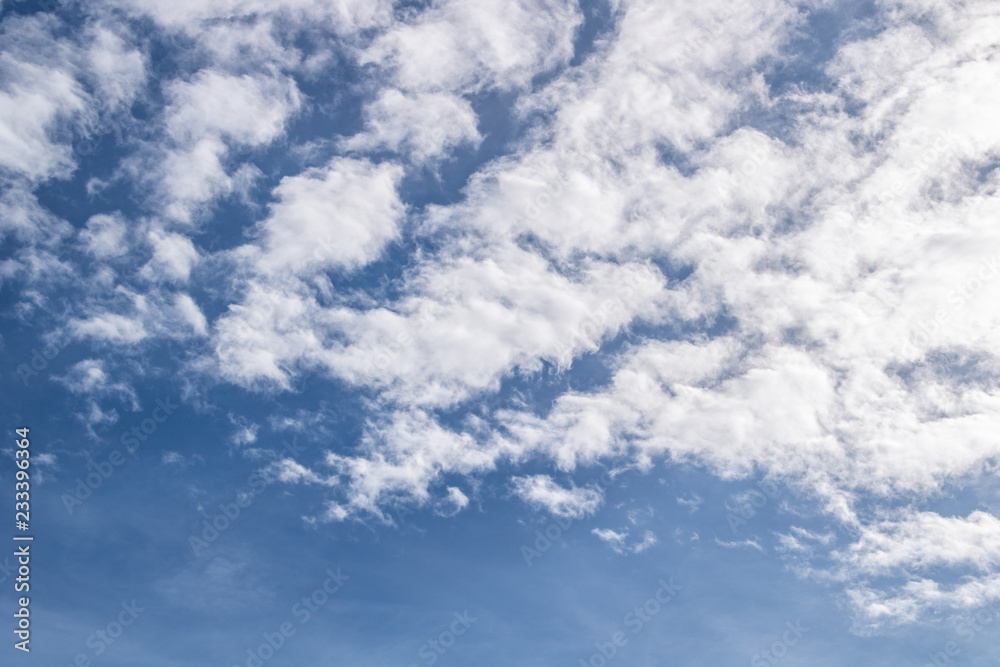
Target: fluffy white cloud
x=923, y=541
x=467, y=324
x=404, y=457
x=912, y=602
x=204, y=117
x=454, y=502
x=110, y=327
x=245, y=432
x=22, y=217
x=55, y=89
x=116, y=71
x=338, y=216
x=90, y=378
x=838, y=319
x=572, y=503
x=173, y=257
x=188, y=312
x=117, y=315
x=104, y=236
x=423, y=125
x=289, y=471
x=245, y=109
x=40, y=95
x=455, y=45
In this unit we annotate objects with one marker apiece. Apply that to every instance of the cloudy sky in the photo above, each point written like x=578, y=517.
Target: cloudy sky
x=504, y=332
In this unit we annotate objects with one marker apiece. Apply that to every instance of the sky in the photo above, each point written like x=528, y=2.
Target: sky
x=535, y=332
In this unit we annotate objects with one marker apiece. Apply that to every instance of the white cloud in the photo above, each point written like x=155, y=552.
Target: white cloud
x=454, y=502
x=117, y=71
x=105, y=236
x=246, y=431
x=803, y=543
x=173, y=258
x=467, y=323
x=572, y=503
x=822, y=538
x=290, y=471
x=89, y=378
x=22, y=217
x=39, y=95
x=824, y=378
x=56, y=88
x=648, y=540
x=693, y=503
x=45, y=459
x=244, y=109
x=879, y=609
x=423, y=125
x=922, y=541
x=401, y=459
x=118, y=315
x=189, y=313
x=456, y=45
x=338, y=216
x=618, y=540
x=204, y=117
x=95, y=416
x=195, y=16
x=173, y=458
x=110, y=327
x=740, y=544
x=615, y=539
x=811, y=297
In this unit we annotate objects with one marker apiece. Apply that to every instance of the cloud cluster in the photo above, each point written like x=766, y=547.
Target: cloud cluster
x=787, y=274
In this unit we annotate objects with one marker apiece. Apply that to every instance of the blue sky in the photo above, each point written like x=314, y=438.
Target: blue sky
x=503, y=333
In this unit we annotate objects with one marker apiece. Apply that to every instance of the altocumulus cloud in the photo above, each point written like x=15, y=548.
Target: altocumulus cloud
x=797, y=278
